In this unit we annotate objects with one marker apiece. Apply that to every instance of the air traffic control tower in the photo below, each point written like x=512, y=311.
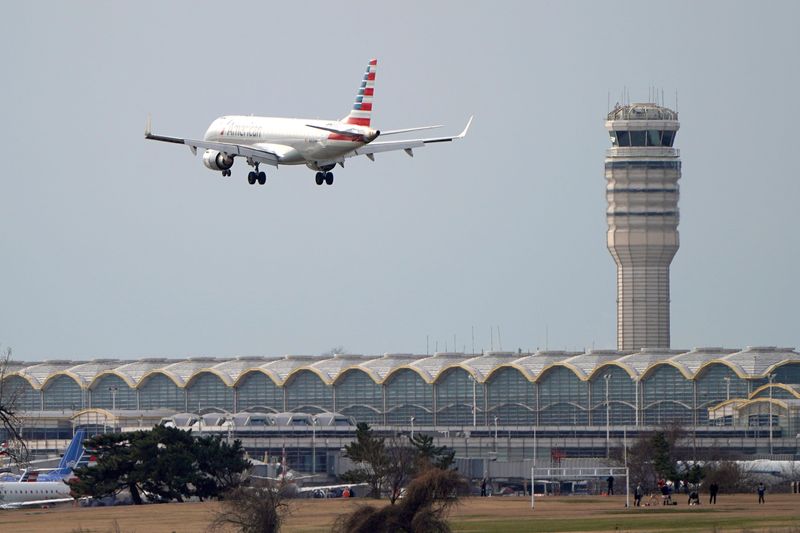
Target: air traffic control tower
x=642, y=173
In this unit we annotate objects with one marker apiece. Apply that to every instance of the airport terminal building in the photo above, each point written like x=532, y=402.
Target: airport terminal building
x=746, y=400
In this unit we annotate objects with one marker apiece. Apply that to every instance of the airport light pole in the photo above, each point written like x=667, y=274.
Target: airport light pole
x=113, y=390
x=474, y=400
x=727, y=387
x=495, y=433
x=412, y=427
x=313, y=445
x=607, y=377
x=771, y=378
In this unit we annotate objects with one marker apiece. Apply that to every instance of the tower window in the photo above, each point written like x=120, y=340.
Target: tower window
x=653, y=138
x=638, y=138
x=623, y=138
x=668, y=138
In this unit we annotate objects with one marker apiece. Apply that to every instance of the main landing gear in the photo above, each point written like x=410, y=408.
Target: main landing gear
x=226, y=173
x=326, y=177
x=256, y=176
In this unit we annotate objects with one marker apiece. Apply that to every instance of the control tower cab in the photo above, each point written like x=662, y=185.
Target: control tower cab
x=642, y=172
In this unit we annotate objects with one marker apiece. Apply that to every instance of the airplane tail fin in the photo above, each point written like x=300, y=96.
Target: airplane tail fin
x=71, y=455
x=362, y=108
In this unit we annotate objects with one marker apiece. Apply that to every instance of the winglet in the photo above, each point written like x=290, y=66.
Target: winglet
x=466, y=128
x=147, y=127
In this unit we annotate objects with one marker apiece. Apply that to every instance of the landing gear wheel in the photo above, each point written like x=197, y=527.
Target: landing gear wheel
x=320, y=178
x=329, y=178
x=251, y=178
x=226, y=173
x=262, y=178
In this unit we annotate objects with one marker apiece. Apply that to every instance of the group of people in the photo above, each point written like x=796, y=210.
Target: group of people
x=694, y=497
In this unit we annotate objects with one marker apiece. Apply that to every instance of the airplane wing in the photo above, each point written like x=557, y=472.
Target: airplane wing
x=17, y=505
x=331, y=487
x=260, y=155
x=408, y=145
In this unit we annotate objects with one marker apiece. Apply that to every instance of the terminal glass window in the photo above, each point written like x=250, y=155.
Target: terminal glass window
x=667, y=397
x=455, y=395
x=307, y=393
x=256, y=389
x=715, y=385
x=621, y=397
x=26, y=398
x=788, y=373
x=111, y=392
x=206, y=391
x=62, y=392
x=407, y=395
x=160, y=392
x=563, y=398
x=357, y=395
x=511, y=397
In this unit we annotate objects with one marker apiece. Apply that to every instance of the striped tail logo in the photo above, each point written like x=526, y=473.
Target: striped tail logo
x=362, y=108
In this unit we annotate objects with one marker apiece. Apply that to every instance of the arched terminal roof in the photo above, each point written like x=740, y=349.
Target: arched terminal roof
x=38, y=373
x=533, y=365
x=638, y=363
x=698, y=358
x=430, y=367
x=330, y=369
x=483, y=365
x=181, y=372
x=750, y=363
x=231, y=370
x=280, y=369
x=380, y=368
x=758, y=361
x=585, y=364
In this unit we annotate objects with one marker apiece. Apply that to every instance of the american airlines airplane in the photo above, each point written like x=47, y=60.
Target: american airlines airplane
x=318, y=144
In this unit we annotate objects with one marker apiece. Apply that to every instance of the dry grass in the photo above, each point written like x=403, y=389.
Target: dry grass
x=734, y=513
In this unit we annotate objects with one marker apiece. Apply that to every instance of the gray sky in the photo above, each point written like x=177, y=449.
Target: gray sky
x=116, y=247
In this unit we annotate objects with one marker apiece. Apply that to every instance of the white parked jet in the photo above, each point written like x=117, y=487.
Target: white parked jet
x=318, y=144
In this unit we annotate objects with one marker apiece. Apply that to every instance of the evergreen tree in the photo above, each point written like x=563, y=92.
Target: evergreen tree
x=369, y=454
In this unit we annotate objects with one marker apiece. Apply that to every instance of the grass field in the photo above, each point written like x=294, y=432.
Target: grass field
x=734, y=513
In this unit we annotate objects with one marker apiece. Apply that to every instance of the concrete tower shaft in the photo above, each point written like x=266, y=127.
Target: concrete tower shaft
x=642, y=173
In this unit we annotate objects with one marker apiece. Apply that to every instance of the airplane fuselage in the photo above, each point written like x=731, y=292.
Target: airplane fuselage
x=292, y=139
x=16, y=492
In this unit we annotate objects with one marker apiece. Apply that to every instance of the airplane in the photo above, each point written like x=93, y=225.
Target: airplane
x=44, y=488
x=15, y=494
x=318, y=144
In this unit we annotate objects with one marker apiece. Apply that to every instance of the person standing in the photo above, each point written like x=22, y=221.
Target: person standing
x=761, y=490
x=610, y=481
x=483, y=487
x=637, y=495
x=713, y=489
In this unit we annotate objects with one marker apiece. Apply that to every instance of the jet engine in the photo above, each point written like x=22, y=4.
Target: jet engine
x=217, y=160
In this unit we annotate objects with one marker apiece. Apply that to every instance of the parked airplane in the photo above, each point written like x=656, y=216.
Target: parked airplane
x=318, y=144
x=35, y=488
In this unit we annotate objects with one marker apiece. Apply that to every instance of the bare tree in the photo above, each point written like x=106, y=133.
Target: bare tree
x=423, y=509
x=10, y=422
x=402, y=461
x=255, y=509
